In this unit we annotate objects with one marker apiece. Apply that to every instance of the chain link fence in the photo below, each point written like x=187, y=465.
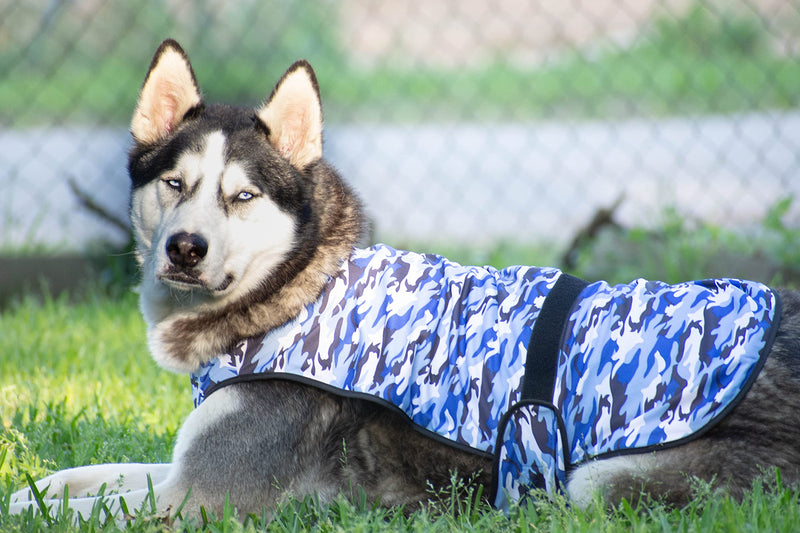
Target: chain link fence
x=460, y=121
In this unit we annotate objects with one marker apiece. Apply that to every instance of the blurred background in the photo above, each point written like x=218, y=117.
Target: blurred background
x=568, y=132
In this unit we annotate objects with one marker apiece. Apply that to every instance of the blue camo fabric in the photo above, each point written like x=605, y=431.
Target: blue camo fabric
x=640, y=365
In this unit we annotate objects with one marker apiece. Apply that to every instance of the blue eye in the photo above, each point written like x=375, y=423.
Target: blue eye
x=244, y=196
x=175, y=184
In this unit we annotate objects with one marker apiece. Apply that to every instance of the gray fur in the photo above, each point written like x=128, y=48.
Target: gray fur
x=299, y=440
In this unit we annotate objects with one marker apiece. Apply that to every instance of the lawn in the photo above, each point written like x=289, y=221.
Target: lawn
x=78, y=387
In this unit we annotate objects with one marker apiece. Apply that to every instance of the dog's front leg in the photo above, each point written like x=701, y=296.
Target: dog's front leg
x=163, y=498
x=89, y=480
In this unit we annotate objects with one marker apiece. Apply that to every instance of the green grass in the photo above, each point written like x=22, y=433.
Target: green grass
x=680, y=249
x=77, y=386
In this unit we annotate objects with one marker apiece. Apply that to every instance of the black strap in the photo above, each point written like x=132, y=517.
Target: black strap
x=542, y=360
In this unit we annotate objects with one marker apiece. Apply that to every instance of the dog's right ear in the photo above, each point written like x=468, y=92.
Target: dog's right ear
x=169, y=92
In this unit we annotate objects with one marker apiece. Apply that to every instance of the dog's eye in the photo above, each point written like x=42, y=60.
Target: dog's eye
x=174, y=184
x=245, y=196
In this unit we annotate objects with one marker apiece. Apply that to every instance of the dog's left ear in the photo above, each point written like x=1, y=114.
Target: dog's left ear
x=293, y=116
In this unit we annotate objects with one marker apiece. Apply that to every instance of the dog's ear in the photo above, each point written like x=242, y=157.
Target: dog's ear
x=293, y=116
x=169, y=92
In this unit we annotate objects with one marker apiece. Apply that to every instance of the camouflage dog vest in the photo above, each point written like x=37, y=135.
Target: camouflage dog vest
x=529, y=366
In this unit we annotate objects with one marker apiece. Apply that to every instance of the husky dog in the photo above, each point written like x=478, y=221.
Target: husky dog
x=247, y=243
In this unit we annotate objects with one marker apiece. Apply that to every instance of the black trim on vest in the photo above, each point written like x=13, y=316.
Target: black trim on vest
x=336, y=391
x=501, y=430
x=542, y=360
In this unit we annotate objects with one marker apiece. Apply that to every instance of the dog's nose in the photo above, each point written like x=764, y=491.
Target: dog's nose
x=186, y=249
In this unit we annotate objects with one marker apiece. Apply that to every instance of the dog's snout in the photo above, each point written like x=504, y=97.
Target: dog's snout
x=186, y=249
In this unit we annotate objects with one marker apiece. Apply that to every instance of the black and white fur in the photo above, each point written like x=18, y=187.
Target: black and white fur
x=238, y=223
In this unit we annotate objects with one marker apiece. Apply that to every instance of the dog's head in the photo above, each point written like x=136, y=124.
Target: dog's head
x=221, y=195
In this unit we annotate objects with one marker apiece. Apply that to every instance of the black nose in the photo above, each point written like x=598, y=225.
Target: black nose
x=186, y=249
